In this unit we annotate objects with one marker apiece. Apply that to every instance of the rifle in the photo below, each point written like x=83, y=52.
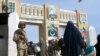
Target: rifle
x=22, y=36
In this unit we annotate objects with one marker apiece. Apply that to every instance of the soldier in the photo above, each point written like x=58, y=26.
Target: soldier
x=21, y=40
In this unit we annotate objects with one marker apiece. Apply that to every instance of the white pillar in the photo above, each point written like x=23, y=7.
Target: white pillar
x=13, y=21
x=92, y=37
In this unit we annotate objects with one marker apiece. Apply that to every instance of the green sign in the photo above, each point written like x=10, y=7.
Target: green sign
x=52, y=30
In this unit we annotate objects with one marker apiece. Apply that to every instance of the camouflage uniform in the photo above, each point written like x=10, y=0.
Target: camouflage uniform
x=21, y=42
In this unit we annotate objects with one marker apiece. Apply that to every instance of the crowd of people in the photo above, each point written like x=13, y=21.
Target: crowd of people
x=72, y=44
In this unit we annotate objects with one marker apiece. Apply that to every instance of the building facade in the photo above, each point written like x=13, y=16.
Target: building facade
x=49, y=17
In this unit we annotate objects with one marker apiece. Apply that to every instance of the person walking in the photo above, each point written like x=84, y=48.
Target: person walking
x=31, y=48
x=72, y=40
x=37, y=49
x=51, y=51
x=62, y=46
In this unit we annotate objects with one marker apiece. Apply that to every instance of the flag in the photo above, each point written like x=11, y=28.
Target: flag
x=79, y=1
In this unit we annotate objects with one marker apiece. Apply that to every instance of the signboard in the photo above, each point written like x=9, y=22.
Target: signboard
x=52, y=30
x=52, y=12
x=83, y=18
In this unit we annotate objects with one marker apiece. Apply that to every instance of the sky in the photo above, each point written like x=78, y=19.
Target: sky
x=91, y=7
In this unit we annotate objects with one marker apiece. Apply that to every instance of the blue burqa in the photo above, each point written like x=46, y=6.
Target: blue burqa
x=72, y=40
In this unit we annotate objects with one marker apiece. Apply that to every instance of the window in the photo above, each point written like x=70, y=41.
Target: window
x=66, y=16
x=71, y=18
x=74, y=16
x=11, y=7
x=37, y=12
x=83, y=18
x=25, y=11
x=60, y=15
x=33, y=12
x=29, y=11
x=22, y=9
x=41, y=13
x=63, y=15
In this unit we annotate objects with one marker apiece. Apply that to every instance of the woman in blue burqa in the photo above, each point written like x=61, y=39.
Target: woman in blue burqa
x=72, y=40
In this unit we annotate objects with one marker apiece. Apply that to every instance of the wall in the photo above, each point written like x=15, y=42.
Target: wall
x=13, y=21
x=4, y=40
x=0, y=6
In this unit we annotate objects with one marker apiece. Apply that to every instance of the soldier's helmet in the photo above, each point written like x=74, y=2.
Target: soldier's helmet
x=21, y=24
